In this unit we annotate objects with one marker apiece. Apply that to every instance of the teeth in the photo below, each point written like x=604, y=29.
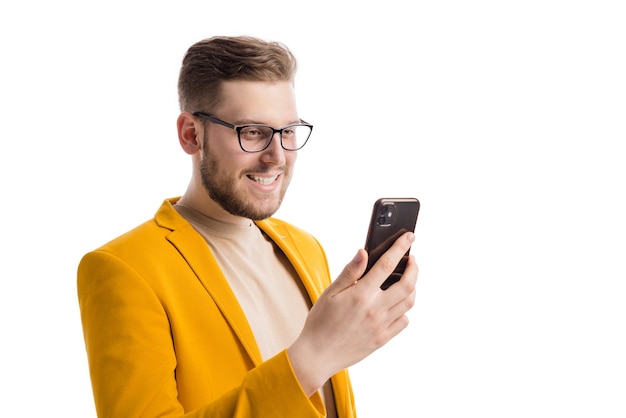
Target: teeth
x=264, y=180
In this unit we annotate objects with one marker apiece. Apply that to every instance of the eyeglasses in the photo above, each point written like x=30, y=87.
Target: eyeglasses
x=257, y=137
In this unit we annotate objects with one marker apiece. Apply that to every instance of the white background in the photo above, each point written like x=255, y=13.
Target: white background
x=505, y=118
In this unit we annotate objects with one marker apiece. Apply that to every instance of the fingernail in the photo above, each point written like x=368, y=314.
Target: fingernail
x=357, y=258
x=411, y=237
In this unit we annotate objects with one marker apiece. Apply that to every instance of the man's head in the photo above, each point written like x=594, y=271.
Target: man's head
x=212, y=61
x=227, y=83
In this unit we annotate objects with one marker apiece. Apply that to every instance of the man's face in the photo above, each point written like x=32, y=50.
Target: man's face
x=250, y=185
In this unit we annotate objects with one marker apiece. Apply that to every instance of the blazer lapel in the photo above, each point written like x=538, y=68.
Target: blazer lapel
x=311, y=275
x=194, y=249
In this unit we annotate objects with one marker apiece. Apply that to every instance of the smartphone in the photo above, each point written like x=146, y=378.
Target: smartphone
x=391, y=217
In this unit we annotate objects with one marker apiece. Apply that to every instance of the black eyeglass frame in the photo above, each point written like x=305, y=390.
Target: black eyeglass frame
x=239, y=128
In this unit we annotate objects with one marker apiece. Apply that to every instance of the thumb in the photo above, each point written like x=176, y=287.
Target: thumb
x=353, y=271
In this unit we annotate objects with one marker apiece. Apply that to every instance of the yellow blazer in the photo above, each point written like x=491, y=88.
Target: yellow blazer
x=166, y=337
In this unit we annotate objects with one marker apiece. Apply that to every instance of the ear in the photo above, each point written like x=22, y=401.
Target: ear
x=189, y=133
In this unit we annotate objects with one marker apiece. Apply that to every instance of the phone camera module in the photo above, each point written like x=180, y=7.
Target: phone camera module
x=385, y=215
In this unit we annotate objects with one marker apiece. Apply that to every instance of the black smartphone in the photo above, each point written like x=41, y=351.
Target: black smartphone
x=391, y=217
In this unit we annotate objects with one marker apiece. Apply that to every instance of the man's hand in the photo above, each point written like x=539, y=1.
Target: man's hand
x=353, y=318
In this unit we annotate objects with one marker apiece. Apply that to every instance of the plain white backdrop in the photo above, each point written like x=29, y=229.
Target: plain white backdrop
x=506, y=119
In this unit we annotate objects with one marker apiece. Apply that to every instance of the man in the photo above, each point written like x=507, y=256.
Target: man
x=213, y=308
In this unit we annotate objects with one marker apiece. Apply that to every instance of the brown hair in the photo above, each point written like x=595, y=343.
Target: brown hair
x=209, y=62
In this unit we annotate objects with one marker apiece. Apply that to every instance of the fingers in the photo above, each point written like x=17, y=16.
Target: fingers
x=388, y=262
x=402, y=295
x=407, y=281
x=403, y=292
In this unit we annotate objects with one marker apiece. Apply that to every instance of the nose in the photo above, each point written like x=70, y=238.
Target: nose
x=274, y=153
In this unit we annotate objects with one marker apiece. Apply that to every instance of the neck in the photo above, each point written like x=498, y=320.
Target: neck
x=200, y=201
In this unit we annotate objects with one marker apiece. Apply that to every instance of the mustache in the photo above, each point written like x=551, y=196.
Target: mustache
x=266, y=168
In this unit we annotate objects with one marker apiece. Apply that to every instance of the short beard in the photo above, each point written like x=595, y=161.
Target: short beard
x=221, y=189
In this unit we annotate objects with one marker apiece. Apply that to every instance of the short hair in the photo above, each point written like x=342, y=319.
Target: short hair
x=209, y=62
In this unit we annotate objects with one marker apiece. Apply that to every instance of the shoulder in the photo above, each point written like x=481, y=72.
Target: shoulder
x=148, y=238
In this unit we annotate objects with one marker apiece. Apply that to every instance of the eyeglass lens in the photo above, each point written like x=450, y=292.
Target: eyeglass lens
x=256, y=138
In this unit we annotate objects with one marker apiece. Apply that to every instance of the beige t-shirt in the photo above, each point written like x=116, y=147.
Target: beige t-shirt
x=265, y=283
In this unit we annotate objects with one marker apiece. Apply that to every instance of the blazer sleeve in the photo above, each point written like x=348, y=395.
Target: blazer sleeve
x=132, y=358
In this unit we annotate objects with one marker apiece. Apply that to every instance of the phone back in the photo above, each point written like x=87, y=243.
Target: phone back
x=391, y=217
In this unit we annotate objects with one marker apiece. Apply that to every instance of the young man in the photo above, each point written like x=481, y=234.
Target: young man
x=213, y=308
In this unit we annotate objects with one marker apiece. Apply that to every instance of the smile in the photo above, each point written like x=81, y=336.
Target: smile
x=263, y=180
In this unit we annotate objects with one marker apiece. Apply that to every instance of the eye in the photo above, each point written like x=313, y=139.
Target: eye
x=251, y=132
x=255, y=133
x=289, y=132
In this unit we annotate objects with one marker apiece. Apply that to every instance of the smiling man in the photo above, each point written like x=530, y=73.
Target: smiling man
x=213, y=308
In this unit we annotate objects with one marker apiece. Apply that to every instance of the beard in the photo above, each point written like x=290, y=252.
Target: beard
x=221, y=185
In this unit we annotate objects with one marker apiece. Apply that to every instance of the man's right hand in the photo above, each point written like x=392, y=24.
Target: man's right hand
x=353, y=318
